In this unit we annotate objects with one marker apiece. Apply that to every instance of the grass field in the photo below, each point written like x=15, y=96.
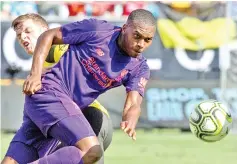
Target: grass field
x=163, y=147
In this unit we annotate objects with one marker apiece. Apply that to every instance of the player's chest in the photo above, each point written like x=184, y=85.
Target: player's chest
x=106, y=67
x=107, y=73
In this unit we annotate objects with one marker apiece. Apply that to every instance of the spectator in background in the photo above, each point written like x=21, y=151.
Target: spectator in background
x=153, y=8
x=91, y=9
x=23, y=7
x=5, y=10
x=58, y=9
x=128, y=7
x=64, y=10
x=99, y=8
x=76, y=8
x=203, y=10
x=118, y=10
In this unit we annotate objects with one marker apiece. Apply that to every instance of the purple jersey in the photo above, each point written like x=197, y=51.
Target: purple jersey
x=94, y=63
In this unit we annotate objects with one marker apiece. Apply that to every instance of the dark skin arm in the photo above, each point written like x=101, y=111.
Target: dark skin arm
x=131, y=113
x=44, y=43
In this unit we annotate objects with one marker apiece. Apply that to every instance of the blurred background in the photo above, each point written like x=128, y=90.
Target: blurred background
x=192, y=58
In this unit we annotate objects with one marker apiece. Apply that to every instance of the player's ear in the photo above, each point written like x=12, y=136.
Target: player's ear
x=124, y=28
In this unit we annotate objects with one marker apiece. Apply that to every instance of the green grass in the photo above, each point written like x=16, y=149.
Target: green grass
x=163, y=147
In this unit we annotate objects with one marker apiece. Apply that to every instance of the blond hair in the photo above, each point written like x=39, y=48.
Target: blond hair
x=34, y=17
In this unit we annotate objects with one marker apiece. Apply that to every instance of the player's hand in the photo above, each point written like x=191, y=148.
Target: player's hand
x=129, y=121
x=32, y=84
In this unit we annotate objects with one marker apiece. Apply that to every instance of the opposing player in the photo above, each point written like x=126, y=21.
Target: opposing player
x=100, y=57
x=28, y=28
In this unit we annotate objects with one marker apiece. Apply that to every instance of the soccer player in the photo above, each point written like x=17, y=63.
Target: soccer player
x=28, y=28
x=100, y=57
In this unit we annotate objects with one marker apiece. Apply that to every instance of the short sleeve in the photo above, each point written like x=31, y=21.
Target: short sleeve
x=138, y=78
x=82, y=31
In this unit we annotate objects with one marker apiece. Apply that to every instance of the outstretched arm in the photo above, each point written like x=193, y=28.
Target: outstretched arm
x=131, y=113
x=135, y=86
x=44, y=43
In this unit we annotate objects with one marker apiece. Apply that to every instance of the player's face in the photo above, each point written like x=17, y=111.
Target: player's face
x=137, y=37
x=27, y=33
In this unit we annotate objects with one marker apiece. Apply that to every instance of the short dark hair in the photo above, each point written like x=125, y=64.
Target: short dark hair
x=34, y=17
x=142, y=15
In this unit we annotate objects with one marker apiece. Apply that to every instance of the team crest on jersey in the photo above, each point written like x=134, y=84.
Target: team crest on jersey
x=142, y=83
x=99, y=52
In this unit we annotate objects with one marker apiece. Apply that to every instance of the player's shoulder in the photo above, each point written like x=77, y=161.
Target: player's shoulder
x=142, y=64
x=98, y=25
x=140, y=69
x=142, y=60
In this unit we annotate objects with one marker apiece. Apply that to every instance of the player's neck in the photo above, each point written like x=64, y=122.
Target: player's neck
x=120, y=44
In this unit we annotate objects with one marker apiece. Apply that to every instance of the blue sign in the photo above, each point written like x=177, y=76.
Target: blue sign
x=176, y=104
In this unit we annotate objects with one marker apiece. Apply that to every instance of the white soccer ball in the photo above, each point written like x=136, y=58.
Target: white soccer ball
x=210, y=121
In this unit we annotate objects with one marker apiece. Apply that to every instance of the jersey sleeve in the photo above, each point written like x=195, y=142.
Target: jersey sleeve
x=83, y=31
x=137, y=79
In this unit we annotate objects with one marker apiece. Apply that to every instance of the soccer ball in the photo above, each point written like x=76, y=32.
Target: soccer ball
x=210, y=121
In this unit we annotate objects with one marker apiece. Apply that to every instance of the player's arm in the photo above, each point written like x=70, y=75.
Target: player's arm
x=135, y=86
x=44, y=43
x=131, y=113
x=73, y=33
